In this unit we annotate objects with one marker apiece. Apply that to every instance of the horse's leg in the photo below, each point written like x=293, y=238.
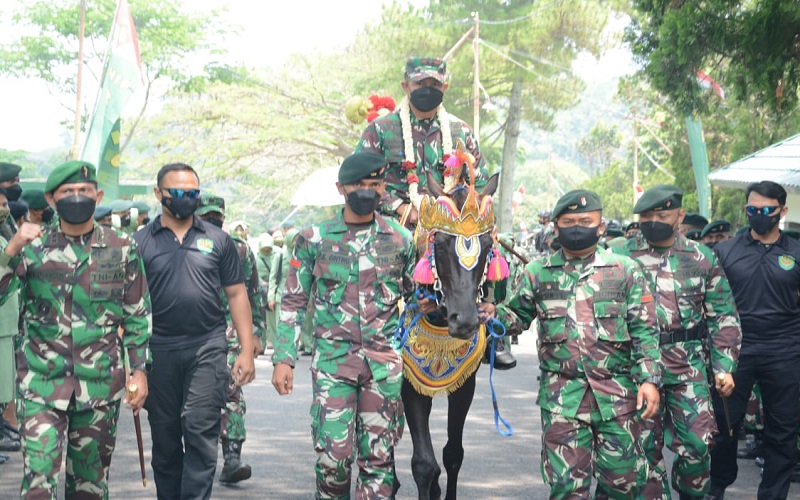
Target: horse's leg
x=423, y=461
x=458, y=404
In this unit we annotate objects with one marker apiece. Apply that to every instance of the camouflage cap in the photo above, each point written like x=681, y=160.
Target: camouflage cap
x=717, y=226
x=661, y=197
x=420, y=68
x=101, y=211
x=577, y=201
x=696, y=220
x=34, y=198
x=362, y=165
x=614, y=232
x=544, y=213
x=120, y=205
x=694, y=234
x=9, y=171
x=141, y=206
x=210, y=203
x=70, y=172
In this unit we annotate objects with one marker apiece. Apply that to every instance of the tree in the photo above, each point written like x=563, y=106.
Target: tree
x=168, y=37
x=599, y=146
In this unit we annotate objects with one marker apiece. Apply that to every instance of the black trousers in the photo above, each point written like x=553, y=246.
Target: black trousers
x=187, y=390
x=779, y=378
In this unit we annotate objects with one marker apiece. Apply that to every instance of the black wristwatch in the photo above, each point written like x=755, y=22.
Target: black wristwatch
x=656, y=381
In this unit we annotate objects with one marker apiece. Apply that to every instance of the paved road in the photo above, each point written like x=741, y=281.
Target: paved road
x=279, y=444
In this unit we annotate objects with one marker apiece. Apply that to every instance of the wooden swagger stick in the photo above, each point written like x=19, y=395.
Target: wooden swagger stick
x=132, y=389
x=721, y=377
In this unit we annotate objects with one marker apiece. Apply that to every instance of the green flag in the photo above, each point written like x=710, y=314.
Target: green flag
x=697, y=149
x=121, y=76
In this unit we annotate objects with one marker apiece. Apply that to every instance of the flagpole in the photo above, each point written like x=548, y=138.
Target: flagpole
x=76, y=133
x=106, y=56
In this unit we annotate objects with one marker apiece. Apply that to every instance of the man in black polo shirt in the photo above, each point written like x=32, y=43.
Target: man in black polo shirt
x=187, y=262
x=763, y=271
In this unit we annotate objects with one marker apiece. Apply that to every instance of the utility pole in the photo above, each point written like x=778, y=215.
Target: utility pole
x=635, y=157
x=76, y=134
x=476, y=82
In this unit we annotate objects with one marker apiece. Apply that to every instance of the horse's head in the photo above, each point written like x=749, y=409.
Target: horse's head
x=455, y=236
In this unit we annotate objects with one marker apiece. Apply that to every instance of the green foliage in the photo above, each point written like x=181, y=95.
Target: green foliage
x=599, y=146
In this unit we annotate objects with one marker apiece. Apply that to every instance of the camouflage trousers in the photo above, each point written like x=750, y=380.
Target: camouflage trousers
x=685, y=422
x=232, y=425
x=575, y=449
x=361, y=418
x=90, y=436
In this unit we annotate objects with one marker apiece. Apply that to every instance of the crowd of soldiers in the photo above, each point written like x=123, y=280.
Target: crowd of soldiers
x=646, y=338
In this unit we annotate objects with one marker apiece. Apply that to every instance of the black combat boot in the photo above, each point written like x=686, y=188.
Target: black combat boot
x=503, y=359
x=234, y=470
x=715, y=493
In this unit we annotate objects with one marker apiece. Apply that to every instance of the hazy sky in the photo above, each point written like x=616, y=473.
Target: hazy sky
x=270, y=31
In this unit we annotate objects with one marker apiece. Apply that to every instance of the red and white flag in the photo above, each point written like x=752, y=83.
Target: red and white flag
x=707, y=82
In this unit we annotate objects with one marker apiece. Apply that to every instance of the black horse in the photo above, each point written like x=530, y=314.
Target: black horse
x=458, y=289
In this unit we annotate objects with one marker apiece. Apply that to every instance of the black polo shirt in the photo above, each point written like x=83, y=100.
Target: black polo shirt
x=765, y=281
x=185, y=280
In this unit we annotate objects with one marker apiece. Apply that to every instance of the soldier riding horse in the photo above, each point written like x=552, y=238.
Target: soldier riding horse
x=443, y=350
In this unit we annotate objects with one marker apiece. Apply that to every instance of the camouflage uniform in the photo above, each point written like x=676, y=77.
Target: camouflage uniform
x=597, y=343
x=688, y=285
x=75, y=295
x=235, y=407
x=384, y=135
x=360, y=275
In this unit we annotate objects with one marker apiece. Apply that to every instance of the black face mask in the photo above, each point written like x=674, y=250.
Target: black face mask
x=181, y=208
x=13, y=192
x=577, y=238
x=426, y=98
x=75, y=209
x=146, y=221
x=654, y=231
x=214, y=221
x=47, y=215
x=762, y=224
x=125, y=221
x=363, y=201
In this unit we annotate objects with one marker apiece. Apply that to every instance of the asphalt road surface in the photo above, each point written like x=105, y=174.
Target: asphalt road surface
x=279, y=449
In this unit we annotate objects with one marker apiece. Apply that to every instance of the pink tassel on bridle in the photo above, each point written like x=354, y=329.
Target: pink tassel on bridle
x=498, y=267
x=423, y=272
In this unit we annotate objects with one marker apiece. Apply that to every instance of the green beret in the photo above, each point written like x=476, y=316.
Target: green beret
x=696, y=220
x=717, y=226
x=420, y=68
x=8, y=171
x=34, y=198
x=121, y=205
x=142, y=206
x=694, y=234
x=363, y=165
x=70, y=172
x=210, y=203
x=101, y=211
x=577, y=201
x=661, y=197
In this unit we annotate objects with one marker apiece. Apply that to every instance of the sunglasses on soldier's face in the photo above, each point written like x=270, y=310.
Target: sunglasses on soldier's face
x=182, y=193
x=751, y=210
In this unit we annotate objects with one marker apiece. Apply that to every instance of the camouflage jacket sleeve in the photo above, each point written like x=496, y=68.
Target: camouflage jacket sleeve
x=253, y=285
x=518, y=312
x=296, y=293
x=641, y=320
x=275, y=275
x=724, y=329
x=137, y=321
x=11, y=268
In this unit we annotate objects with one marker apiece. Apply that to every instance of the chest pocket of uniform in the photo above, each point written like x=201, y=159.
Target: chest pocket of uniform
x=690, y=293
x=552, y=321
x=389, y=268
x=610, y=317
x=331, y=282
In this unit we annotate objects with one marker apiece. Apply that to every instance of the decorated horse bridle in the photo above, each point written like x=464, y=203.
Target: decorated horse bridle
x=467, y=225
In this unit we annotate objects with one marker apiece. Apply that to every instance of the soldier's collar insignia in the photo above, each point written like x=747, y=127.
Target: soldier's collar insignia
x=786, y=262
x=205, y=245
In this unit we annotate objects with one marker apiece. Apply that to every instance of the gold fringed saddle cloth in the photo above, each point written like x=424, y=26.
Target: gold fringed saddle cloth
x=436, y=363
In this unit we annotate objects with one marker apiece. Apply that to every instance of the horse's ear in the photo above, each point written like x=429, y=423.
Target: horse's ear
x=491, y=185
x=434, y=187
